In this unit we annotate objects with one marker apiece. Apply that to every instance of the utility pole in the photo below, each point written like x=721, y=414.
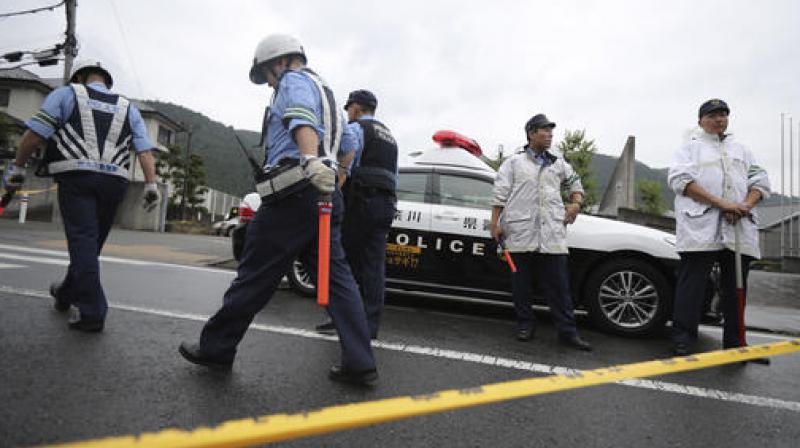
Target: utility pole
x=185, y=195
x=71, y=42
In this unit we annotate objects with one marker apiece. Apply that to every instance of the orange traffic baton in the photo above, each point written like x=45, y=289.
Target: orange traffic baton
x=324, y=206
x=507, y=254
x=740, y=293
x=6, y=199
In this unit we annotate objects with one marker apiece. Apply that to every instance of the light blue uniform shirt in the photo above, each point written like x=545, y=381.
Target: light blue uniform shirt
x=297, y=103
x=59, y=105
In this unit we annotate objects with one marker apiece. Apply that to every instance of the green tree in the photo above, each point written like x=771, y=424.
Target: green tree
x=579, y=152
x=497, y=161
x=188, y=179
x=651, y=199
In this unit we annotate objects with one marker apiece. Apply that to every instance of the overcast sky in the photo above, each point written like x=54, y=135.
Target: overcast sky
x=613, y=68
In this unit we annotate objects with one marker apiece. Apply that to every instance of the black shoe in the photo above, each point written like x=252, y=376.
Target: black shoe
x=681, y=349
x=326, y=328
x=194, y=354
x=575, y=342
x=88, y=326
x=361, y=377
x=524, y=334
x=60, y=305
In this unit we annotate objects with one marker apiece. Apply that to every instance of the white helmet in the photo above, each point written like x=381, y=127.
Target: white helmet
x=83, y=64
x=271, y=47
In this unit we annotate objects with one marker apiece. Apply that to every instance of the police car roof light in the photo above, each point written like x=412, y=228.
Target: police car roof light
x=449, y=139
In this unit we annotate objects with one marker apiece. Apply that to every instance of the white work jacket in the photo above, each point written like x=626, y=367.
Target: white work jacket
x=533, y=209
x=725, y=169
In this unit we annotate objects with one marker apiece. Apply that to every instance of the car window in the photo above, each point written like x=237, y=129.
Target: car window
x=464, y=191
x=411, y=186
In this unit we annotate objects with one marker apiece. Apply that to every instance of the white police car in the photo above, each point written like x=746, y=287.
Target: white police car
x=622, y=274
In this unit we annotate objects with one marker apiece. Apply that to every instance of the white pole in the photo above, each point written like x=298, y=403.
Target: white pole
x=791, y=188
x=23, y=208
x=783, y=188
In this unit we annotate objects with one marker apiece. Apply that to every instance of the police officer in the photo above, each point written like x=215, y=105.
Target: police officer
x=303, y=129
x=717, y=182
x=530, y=218
x=88, y=131
x=370, y=198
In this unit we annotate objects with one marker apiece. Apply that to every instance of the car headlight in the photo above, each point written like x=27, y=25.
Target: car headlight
x=670, y=240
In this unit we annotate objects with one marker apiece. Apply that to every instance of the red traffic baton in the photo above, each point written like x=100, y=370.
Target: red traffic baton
x=507, y=254
x=740, y=293
x=324, y=207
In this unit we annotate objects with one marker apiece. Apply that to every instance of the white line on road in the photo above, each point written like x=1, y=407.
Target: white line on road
x=11, y=266
x=476, y=358
x=129, y=261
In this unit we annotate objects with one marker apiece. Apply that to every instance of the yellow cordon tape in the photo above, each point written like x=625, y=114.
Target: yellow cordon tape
x=278, y=427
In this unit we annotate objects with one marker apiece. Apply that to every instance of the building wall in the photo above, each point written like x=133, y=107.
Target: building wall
x=23, y=103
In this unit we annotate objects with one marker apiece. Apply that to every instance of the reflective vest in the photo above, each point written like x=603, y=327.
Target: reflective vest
x=96, y=137
x=378, y=165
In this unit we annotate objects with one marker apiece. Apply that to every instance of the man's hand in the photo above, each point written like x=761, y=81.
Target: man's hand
x=571, y=212
x=496, y=231
x=13, y=177
x=321, y=176
x=151, y=196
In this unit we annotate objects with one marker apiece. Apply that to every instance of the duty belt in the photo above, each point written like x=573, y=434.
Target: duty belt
x=278, y=179
x=87, y=165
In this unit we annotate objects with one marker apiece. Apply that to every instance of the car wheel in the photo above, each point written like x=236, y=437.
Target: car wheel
x=300, y=279
x=628, y=296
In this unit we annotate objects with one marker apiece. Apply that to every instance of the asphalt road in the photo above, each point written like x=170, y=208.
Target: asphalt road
x=57, y=385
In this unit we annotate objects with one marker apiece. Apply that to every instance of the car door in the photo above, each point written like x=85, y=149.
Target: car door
x=465, y=256
x=406, y=244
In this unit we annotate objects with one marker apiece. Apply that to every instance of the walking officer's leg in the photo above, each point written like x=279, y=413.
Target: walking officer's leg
x=693, y=273
x=79, y=208
x=345, y=306
x=274, y=238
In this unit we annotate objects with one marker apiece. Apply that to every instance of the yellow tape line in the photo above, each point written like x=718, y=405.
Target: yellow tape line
x=278, y=427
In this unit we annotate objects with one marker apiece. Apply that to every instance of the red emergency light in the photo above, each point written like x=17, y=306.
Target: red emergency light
x=449, y=139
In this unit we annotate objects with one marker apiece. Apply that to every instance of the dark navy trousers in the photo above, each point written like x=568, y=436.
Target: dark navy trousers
x=88, y=203
x=280, y=232
x=367, y=221
x=550, y=274
x=690, y=294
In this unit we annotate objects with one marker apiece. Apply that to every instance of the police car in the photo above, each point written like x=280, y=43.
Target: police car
x=622, y=274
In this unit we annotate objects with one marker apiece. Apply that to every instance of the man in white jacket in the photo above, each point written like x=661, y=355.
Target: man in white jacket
x=529, y=214
x=717, y=182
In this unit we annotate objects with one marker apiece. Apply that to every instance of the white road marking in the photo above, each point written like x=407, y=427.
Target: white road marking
x=11, y=266
x=63, y=258
x=41, y=260
x=477, y=358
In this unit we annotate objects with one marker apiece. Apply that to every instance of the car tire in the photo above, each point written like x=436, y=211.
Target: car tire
x=300, y=280
x=628, y=296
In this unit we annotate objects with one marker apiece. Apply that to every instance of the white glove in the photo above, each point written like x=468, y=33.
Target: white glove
x=151, y=196
x=13, y=177
x=321, y=176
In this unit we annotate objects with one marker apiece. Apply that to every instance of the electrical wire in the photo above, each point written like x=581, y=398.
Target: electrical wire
x=32, y=11
x=127, y=48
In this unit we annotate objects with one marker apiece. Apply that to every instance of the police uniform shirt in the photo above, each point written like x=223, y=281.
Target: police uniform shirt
x=296, y=103
x=528, y=186
x=358, y=137
x=59, y=105
x=726, y=169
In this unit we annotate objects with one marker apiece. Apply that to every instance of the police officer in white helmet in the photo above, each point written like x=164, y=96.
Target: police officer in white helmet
x=303, y=132
x=88, y=131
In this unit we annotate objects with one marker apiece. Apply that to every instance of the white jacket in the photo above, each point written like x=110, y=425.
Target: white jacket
x=533, y=210
x=725, y=169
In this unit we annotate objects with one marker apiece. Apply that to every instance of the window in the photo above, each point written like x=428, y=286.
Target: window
x=411, y=186
x=165, y=136
x=5, y=95
x=464, y=191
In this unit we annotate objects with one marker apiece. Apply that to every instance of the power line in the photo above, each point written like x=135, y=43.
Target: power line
x=127, y=48
x=32, y=11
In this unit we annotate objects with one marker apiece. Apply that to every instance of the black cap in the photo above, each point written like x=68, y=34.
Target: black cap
x=362, y=97
x=712, y=106
x=538, y=121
